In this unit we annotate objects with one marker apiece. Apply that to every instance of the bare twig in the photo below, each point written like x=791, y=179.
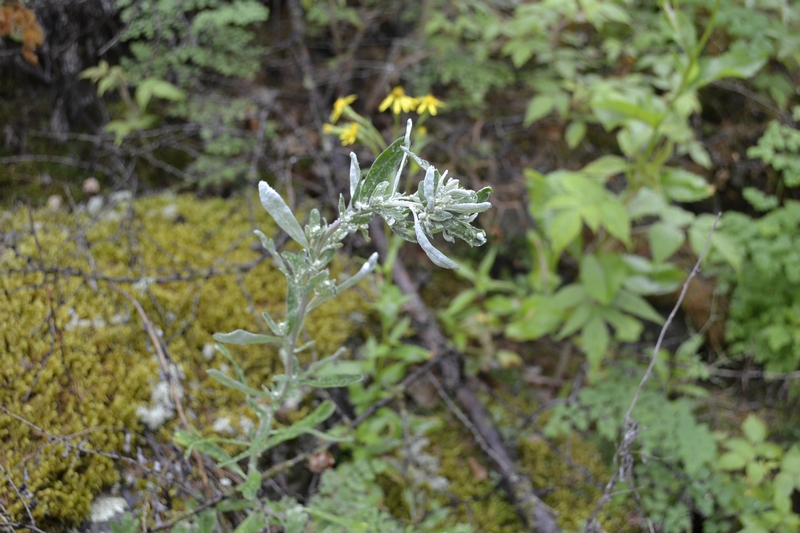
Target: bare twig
x=623, y=456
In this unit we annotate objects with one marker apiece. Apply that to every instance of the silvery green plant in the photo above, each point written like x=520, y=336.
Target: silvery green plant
x=440, y=205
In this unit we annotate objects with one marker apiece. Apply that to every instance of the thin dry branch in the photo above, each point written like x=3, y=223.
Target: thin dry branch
x=623, y=456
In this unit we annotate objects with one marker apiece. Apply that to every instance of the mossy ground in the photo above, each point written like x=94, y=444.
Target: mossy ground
x=77, y=360
x=568, y=473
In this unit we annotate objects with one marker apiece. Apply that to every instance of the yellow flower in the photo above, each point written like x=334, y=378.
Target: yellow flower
x=339, y=105
x=349, y=134
x=399, y=101
x=429, y=103
x=328, y=128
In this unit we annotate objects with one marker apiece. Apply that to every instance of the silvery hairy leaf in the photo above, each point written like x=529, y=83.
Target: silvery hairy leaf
x=438, y=258
x=355, y=176
x=279, y=211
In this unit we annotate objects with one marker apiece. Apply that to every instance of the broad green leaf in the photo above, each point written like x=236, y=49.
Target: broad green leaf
x=742, y=62
x=593, y=278
x=645, y=202
x=280, y=212
x=575, y=133
x=754, y=429
x=665, y=239
x=541, y=317
x=538, y=107
x=228, y=381
x=594, y=343
x=684, y=186
x=731, y=461
x=783, y=485
x=255, y=523
x=637, y=306
x=606, y=166
x=626, y=328
x=616, y=221
x=381, y=171
x=613, y=110
x=241, y=336
x=563, y=230
x=576, y=320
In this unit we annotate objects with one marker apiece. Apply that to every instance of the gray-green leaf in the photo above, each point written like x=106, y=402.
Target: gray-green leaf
x=278, y=210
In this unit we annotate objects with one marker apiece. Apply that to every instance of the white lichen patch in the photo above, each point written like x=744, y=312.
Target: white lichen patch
x=105, y=508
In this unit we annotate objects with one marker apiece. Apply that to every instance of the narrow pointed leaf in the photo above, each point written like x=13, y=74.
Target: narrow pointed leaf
x=228, y=381
x=366, y=268
x=241, y=336
x=438, y=258
x=355, y=175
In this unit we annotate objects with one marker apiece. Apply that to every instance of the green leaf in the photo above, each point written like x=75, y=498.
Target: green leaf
x=241, y=336
x=731, y=461
x=606, y=166
x=332, y=380
x=280, y=212
x=594, y=343
x=594, y=280
x=637, y=306
x=250, y=487
x=616, y=221
x=740, y=63
x=575, y=133
x=665, y=239
x=614, y=109
x=564, y=228
x=306, y=425
x=381, y=171
x=150, y=87
x=684, y=186
x=577, y=319
x=228, y=381
x=646, y=202
x=722, y=243
x=754, y=429
x=192, y=440
x=255, y=523
x=538, y=107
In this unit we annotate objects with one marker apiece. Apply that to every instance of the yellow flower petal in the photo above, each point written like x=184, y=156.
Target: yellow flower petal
x=349, y=134
x=399, y=102
x=340, y=104
x=430, y=104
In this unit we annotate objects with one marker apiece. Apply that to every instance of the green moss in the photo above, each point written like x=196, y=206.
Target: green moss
x=77, y=361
